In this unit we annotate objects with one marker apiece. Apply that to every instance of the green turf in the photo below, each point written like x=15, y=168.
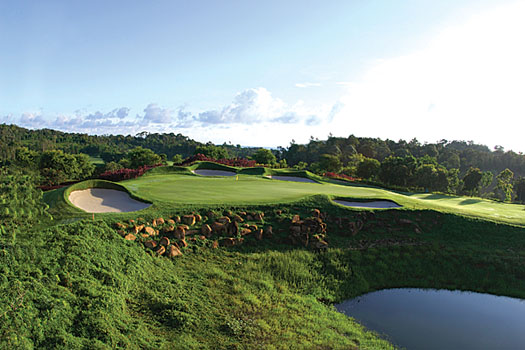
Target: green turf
x=167, y=186
x=96, y=160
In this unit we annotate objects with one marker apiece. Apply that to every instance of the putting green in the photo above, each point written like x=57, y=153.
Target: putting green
x=187, y=189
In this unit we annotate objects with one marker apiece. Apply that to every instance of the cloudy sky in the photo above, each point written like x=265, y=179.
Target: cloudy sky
x=262, y=73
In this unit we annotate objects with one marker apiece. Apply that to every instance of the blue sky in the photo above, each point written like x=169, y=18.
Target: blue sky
x=263, y=73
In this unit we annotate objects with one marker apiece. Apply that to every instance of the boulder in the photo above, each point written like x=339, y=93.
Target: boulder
x=211, y=214
x=165, y=241
x=188, y=220
x=198, y=218
x=249, y=217
x=218, y=228
x=154, y=223
x=130, y=237
x=171, y=221
x=258, y=217
x=121, y=226
x=138, y=228
x=167, y=229
x=316, y=213
x=253, y=227
x=160, y=250
x=228, y=242
x=232, y=229
x=242, y=213
x=150, y=231
x=173, y=251
x=245, y=231
x=176, y=218
x=215, y=244
x=259, y=234
x=160, y=221
x=150, y=244
x=183, y=243
x=206, y=230
x=238, y=218
x=202, y=238
x=180, y=232
x=121, y=232
x=268, y=231
x=295, y=219
x=224, y=220
x=186, y=227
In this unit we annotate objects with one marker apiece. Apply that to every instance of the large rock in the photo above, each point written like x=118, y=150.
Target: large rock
x=198, y=218
x=206, y=230
x=150, y=244
x=259, y=234
x=138, y=228
x=224, y=220
x=295, y=219
x=180, y=232
x=173, y=251
x=160, y=250
x=218, y=228
x=165, y=241
x=150, y=231
x=160, y=221
x=130, y=237
x=237, y=218
x=188, y=220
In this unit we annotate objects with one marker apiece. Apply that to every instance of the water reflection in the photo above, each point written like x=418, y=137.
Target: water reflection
x=441, y=319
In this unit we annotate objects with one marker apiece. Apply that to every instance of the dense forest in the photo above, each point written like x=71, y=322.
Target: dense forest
x=456, y=167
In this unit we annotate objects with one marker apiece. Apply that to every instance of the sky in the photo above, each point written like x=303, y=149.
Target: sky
x=264, y=73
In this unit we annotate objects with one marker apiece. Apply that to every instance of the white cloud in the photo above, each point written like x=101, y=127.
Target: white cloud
x=258, y=106
x=468, y=83
x=155, y=114
x=307, y=85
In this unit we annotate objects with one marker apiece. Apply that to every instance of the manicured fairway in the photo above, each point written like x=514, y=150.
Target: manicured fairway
x=187, y=189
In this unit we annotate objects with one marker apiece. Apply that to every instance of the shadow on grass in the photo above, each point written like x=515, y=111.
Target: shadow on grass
x=469, y=201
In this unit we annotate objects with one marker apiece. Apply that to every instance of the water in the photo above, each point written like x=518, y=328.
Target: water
x=441, y=319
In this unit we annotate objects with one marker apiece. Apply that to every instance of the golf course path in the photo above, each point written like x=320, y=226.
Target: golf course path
x=208, y=172
x=371, y=204
x=101, y=200
x=293, y=178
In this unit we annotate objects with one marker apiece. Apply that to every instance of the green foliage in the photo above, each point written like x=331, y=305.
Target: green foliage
x=139, y=156
x=112, y=166
x=330, y=163
x=56, y=166
x=177, y=159
x=505, y=184
x=368, y=168
x=471, y=181
x=212, y=151
x=264, y=156
x=519, y=188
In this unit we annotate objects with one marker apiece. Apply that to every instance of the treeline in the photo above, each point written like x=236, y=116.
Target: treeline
x=457, y=167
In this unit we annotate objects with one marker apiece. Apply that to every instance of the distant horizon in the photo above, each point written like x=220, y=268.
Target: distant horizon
x=254, y=73
x=285, y=146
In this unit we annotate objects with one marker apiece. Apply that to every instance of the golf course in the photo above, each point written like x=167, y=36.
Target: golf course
x=244, y=258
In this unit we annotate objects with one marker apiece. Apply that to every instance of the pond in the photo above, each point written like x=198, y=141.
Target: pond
x=441, y=319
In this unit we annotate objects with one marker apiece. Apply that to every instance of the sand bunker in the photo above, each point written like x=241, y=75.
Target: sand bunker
x=208, y=172
x=292, y=178
x=371, y=204
x=102, y=200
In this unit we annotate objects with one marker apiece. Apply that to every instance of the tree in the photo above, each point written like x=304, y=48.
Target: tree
x=264, y=156
x=519, y=186
x=177, y=159
x=212, y=151
x=397, y=170
x=139, y=156
x=471, y=180
x=330, y=163
x=505, y=184
x=368, y=168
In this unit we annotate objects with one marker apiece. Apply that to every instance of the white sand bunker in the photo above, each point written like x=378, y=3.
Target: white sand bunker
x=102, y=200
x=371, y=204
x=208, y=172
x=292, y=178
